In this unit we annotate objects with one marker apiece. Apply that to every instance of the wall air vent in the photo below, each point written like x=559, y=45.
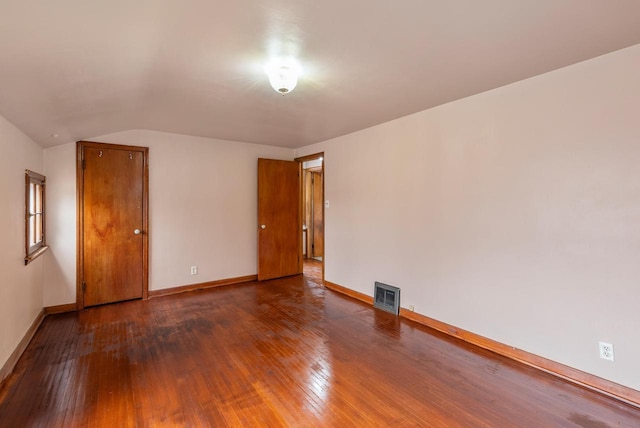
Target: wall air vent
x=387, y=298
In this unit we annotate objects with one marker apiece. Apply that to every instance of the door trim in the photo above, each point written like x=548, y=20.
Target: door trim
x=80, y=145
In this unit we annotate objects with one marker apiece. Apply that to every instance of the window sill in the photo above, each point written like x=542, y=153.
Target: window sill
x=35, y=254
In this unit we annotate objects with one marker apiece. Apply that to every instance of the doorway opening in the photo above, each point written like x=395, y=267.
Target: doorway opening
x=312, y=182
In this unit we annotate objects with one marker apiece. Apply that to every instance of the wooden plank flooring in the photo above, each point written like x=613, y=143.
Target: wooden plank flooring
x=285, y=352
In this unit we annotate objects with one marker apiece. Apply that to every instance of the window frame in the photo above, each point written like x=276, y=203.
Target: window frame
x=34, y=182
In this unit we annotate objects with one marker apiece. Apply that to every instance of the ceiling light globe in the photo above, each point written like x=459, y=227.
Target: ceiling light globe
x=283, y=76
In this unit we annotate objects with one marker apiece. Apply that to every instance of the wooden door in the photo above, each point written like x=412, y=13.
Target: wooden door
x=279, y=219
x=113, y=194
x=318, y=220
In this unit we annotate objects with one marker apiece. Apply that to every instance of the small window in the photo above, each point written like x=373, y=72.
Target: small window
x=35, y=243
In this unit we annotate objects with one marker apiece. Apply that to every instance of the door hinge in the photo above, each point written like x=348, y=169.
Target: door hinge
x=84, y=286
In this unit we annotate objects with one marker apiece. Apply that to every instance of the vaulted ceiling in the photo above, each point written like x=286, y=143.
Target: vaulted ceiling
x=84, y=68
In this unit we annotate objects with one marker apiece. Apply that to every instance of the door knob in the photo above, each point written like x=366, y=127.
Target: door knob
x=137, y=231
x=264, y=226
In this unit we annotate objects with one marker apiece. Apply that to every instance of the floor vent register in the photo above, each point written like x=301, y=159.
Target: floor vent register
x=387, y=298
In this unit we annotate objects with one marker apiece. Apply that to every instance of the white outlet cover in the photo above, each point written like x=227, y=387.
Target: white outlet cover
x=606, y=351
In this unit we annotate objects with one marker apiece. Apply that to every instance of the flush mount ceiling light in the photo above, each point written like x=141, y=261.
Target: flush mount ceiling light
x=283, y=74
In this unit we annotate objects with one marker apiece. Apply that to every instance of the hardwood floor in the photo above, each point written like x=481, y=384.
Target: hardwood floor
x=285, y=352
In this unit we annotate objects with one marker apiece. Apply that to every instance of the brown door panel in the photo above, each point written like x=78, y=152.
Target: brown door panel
x=279, y=219
x=113, y=225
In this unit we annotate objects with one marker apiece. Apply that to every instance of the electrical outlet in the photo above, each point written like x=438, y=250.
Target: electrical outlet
x=411, y=308
x=606, y=351
x=194, y=270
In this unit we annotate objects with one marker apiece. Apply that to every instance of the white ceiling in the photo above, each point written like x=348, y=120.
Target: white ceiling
x=84, y=68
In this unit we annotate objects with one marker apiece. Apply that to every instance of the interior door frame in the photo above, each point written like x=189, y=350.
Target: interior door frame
x=303, y=159
x=80, y=145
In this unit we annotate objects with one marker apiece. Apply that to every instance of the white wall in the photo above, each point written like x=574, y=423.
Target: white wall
x=203, y=209
x=20, y=285
x=514, y=214
x=60, y=263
